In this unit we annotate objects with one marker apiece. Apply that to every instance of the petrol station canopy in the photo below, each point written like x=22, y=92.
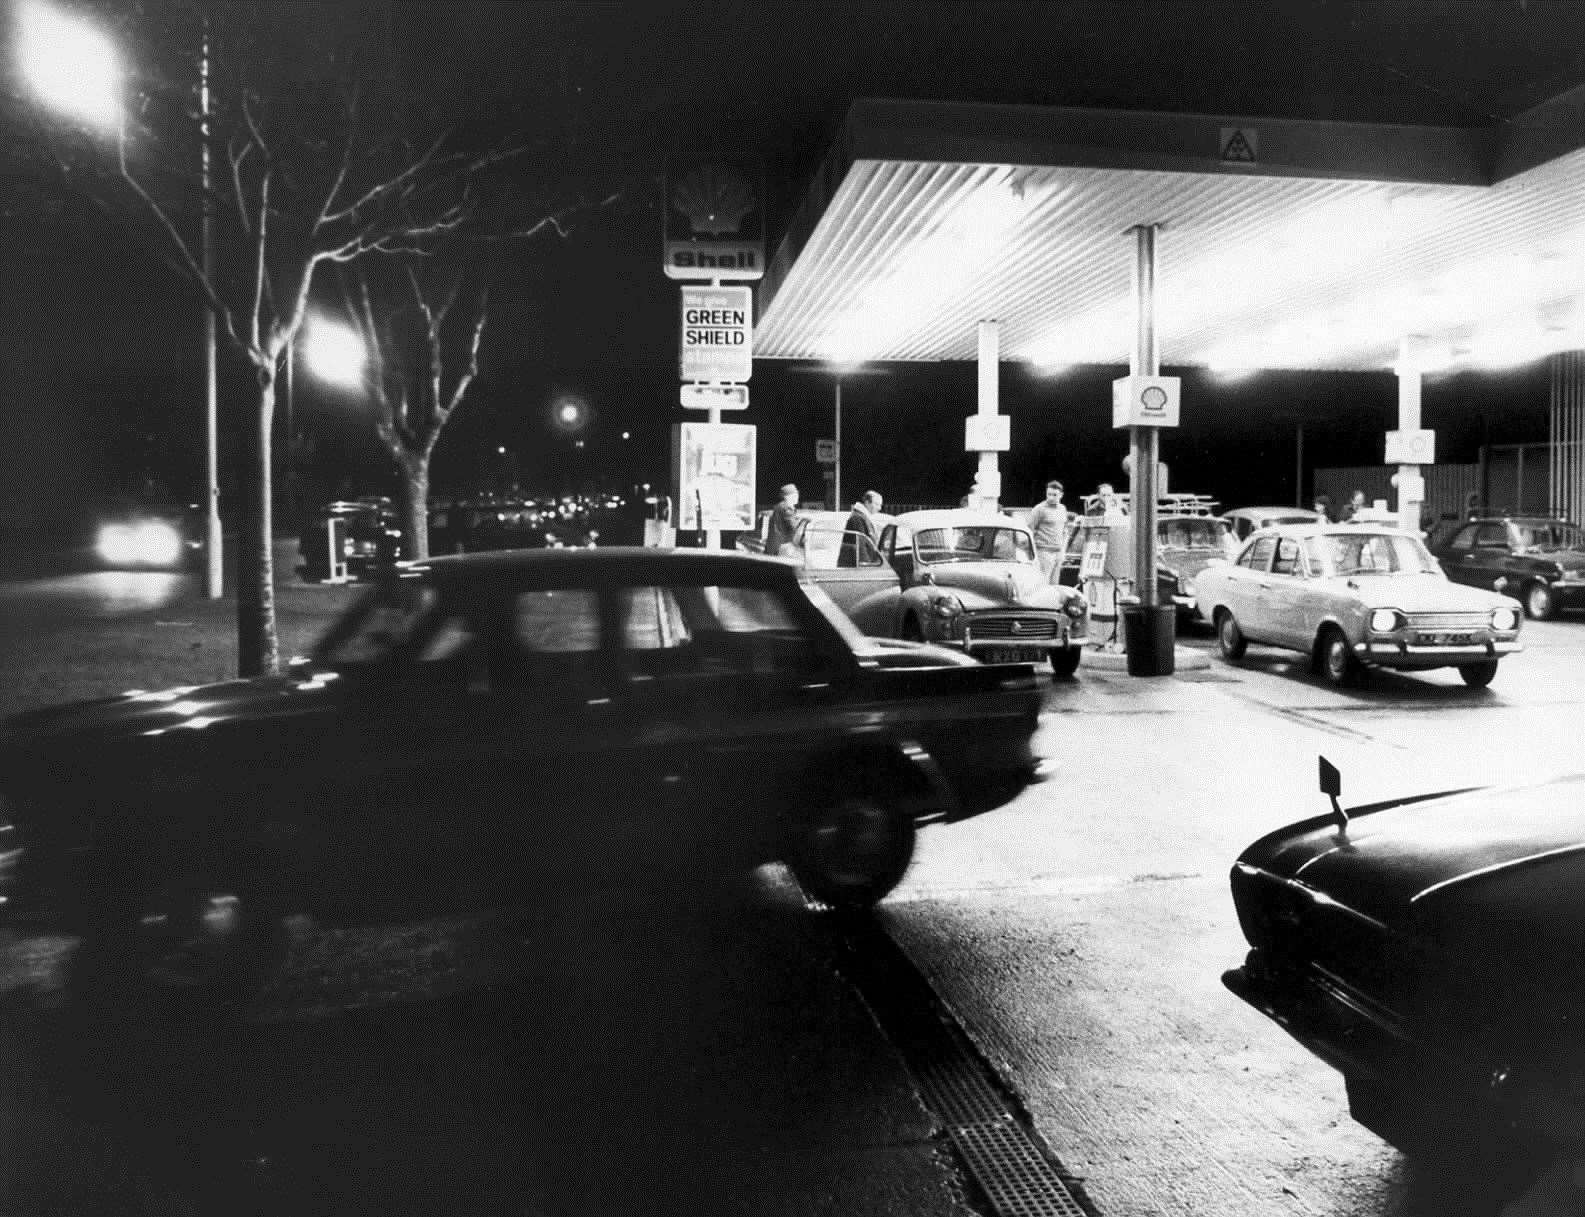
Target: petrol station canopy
x=1284, y=243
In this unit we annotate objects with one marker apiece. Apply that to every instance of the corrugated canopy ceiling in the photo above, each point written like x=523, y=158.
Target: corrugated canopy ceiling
x=1323, y=251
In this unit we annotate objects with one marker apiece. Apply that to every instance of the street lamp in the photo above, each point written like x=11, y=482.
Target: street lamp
x=838, y=373
x=75, y=69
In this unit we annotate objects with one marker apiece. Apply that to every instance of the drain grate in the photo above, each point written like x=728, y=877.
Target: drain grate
x=983, y=1122
x=1012, y=1173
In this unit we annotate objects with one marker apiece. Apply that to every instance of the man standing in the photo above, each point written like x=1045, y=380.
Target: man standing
x=862, y=520
x=782, y=533
x=1049, y=522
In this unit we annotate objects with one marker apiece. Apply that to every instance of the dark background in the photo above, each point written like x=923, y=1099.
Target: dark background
x=100, y=368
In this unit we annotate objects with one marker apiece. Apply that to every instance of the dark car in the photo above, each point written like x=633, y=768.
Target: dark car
x=482, y=726
x=1429, y=949
x=350, y=539
x=1538, y=561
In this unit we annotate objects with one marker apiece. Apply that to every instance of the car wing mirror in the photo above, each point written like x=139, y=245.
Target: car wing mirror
x=1332, y=786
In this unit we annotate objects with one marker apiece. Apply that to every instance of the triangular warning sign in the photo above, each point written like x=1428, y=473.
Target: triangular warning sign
x=1236, y=146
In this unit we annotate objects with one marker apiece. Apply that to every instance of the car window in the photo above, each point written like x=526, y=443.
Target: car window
x=1257, y=555
x=685, y=632
x=1287, y=560
x=1548, y=534
x=1376, y=553
x=381, y=626
x=975, y=543
x=557, y=621
x=1196, y=533
x=1491, y=536
x=1464, y=538
x=830, y=548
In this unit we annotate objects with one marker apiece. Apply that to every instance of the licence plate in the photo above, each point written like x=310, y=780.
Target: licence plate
x=1446, y=639
x=1009, y=655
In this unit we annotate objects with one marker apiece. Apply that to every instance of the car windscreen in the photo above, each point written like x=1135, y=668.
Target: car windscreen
x=392, y=617
x=974, y=543
x=1549, y=534
x=1194, y=533
x=1371, y=553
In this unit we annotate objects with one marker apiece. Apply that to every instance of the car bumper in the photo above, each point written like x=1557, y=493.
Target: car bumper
x=1568, y=595
x=1009, y=650
x=1447, y=1084
x=1397, y=654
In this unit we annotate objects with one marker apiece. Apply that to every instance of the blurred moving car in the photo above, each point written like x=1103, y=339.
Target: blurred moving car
x=1428, y=949
x=1241, y=521
x=484, y=725
x=957, y=577
x=149, y=536
x=354, y=538
x=1355, y=596
x=1538, y=561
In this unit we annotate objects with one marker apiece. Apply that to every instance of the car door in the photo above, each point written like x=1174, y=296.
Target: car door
x=866, y=590
x=1288, y=597
x=1490, y=557
x=1248, y=589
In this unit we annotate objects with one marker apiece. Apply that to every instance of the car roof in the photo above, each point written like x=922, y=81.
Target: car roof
x=959, y=517
x=1318, y=529
x=615, y=564
x=1530, y=519
x=1243, y=512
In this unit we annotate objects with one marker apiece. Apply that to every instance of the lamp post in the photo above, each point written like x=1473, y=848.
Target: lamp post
x=838, y=373
x=75, y=69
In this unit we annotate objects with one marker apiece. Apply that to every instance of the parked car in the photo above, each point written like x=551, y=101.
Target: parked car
x=1538, y=561
x=484, y=725
x=1428, y=949
x=957, y=577
x=147, y=535
x=1357, y=596
x=366, y=530
x=1241, y=521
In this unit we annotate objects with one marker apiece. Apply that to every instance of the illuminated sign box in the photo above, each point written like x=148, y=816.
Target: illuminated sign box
x=1145, y=401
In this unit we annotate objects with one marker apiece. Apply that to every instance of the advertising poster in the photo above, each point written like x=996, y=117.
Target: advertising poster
x=713, y=470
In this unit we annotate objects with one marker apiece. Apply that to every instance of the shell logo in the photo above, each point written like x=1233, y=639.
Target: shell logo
x=715, y=198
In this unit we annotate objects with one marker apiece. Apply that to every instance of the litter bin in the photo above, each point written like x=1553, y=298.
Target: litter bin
x=1148, y=635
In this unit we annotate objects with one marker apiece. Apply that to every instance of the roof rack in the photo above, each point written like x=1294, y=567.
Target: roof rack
x=1170, y=504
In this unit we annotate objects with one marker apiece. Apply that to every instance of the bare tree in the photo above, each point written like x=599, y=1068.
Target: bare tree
x=316, y=152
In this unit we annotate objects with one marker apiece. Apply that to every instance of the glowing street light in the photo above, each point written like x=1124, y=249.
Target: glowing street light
x=335, y=353
x=70, y=65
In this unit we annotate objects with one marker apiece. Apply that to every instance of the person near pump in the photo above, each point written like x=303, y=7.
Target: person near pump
x=782, y=534
x=1048, y=521
x=1322, y=503
x=860, y=521
x=1355, y=505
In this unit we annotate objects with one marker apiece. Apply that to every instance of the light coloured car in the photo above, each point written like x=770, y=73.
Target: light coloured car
x=1356, y=596
x=1241, y=521
x=957, y=577
x=754, y=542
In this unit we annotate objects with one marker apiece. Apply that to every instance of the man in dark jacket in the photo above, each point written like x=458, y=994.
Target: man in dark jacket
x=782, y=532
x=862, y=520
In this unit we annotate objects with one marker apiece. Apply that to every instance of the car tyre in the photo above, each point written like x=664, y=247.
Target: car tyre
x=200, y=952
x=1065, y=663
x=1337, y=659
x=853, y=850
x=1229, y=637
x=1539, y=602
x=1478, y=675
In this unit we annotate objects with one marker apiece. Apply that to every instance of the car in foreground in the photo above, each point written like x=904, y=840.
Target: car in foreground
x=1538, y=561
x=481, y=726
x=958, y=578
x=1354, y=597
x=1241, y=521
x=350, y=539
x=1428, y=949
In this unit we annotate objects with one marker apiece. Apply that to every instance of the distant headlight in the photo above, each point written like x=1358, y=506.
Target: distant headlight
x=1504, y=619
x=946, y=606
x=1384, y=621
x=150, y=543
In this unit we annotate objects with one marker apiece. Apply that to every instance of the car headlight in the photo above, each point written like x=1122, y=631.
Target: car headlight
x=946, y=606
x=147, y=543
x=1385, y=620
x=1504, y=618
x=1076, y=607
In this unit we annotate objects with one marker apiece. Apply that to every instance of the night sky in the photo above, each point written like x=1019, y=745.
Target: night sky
x=99, y=347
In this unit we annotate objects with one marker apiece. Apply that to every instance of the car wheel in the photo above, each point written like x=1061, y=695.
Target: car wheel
x=1229, y=637
x=1337, y=659
x=852, y=851
x=1065, y=663
x=1478, y=675
x=197, y=950
x=1539, y=603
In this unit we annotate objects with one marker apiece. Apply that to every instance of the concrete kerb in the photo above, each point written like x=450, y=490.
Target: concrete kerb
x=1184, y=659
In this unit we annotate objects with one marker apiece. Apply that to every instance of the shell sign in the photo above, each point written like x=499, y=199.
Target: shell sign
x=715, y=218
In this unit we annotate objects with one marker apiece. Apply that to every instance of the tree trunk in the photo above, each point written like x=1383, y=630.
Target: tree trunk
x=258, y=650
x=415, y=503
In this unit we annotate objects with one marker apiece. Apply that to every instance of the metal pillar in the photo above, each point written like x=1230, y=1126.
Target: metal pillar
x=990, y=353
x=1409, y=386
x=213, y=566
x=836, y=468
x=1143, y=446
